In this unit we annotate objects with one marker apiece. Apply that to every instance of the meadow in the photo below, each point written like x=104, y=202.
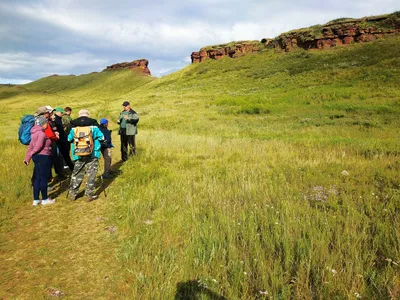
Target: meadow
x=270, y=176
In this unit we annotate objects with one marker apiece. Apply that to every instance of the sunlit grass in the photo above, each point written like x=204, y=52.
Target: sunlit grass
x=271, y=175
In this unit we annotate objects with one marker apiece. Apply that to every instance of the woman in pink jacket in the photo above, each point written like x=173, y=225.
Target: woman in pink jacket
x=39, y=151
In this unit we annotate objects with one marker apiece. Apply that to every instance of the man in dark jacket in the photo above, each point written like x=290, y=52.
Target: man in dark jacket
x=62, y=143
x=127, y=121
x=84, y=120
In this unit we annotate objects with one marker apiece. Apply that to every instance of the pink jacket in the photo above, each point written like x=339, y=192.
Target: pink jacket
x=40, y=143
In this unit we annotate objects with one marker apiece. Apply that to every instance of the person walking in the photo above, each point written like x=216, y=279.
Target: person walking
x=39, y=151
x=85, y=153
x=106, y=148
x=127, y=121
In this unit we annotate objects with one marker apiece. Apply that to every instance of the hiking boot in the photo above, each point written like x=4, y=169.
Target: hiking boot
x=48, y=201
x=36, y=202
x=91, y=198
x=72, y=196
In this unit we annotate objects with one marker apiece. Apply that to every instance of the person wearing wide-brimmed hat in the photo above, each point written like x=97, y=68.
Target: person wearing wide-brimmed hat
x=127, y=121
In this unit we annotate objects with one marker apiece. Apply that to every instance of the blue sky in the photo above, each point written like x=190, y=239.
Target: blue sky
x=44, y=37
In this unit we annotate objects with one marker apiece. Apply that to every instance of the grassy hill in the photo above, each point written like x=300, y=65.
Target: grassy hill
x=274, y=175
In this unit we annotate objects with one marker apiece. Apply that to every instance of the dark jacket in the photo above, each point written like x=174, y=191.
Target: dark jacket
x=60, y=128
x=84, y=121
x=107, y=136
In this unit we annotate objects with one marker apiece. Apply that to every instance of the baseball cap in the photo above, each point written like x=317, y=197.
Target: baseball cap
x=126, y=103
x=60, y=109
x=103, y=121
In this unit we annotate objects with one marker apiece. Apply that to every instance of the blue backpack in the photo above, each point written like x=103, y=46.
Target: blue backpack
x=24, y=131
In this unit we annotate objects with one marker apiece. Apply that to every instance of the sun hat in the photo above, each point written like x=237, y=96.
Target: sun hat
x=83, y=113
x=40, y=120
x=49, y=108
x=126, y=103
x=103, y=121
x=40, y=111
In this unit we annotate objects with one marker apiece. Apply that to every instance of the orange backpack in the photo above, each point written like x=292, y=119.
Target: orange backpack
x=83, y=140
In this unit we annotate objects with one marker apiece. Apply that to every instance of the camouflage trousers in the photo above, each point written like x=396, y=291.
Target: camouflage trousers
x=82, y=165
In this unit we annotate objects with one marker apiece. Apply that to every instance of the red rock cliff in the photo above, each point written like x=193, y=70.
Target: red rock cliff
x=139, y=65
x=335, y=33
x=340, y=32
x=233, y=50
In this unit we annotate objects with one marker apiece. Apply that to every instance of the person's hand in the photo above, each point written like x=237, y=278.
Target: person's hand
x=57, y=134
x=26, y=162
x=126, y=117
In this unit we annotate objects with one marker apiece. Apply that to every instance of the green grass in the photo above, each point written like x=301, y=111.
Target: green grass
x=238, y=187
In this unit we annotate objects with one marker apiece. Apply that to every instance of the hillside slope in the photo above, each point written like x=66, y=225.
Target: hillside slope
x=271, y=175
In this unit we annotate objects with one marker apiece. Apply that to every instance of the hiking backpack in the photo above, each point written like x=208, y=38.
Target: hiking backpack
x=24, y=131
x=83, y=140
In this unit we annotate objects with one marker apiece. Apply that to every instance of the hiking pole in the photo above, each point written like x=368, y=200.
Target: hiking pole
x=102, y=185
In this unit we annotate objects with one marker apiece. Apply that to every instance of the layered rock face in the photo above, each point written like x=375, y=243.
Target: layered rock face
x=218, y=52
x=339, y=33
x=335, y=33
x=138, y=65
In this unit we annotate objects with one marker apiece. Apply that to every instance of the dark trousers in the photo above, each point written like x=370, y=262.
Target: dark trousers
x=57, y=159
x=41, y=175
x=125, y=141
x=64, y=149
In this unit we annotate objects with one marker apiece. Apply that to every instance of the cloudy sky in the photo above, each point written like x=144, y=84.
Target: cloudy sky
x=43, y=37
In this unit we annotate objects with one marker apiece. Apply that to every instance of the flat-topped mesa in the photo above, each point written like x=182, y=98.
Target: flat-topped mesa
x=234, y=49
x=138, y=65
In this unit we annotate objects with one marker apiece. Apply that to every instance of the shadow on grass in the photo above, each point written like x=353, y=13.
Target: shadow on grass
x=193, y=290
x=103, y=183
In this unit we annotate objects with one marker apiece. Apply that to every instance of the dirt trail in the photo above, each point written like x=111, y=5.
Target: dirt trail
x=65, y=249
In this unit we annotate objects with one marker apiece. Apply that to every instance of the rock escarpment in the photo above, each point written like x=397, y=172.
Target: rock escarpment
x=233, y=50
x=140, y=65
x=338, y=32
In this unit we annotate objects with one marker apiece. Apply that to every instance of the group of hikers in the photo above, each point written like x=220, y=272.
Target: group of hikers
x=54, y=137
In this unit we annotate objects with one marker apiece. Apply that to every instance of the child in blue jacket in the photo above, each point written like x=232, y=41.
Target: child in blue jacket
x=106, y=148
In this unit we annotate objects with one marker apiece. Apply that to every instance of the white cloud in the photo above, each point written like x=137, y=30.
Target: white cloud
x=73, y=36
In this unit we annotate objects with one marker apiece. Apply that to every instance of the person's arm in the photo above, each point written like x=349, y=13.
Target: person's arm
x=70, y=137
x=50, y=134
x=37, y=146
x=97, y=134
x=133, y=118
x=120, y=118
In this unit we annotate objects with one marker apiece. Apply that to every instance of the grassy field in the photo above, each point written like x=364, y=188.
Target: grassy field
x=270, y=176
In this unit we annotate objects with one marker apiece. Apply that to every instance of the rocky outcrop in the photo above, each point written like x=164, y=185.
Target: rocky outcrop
x=338, y=32
x=138, y=65
x=232, y=50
